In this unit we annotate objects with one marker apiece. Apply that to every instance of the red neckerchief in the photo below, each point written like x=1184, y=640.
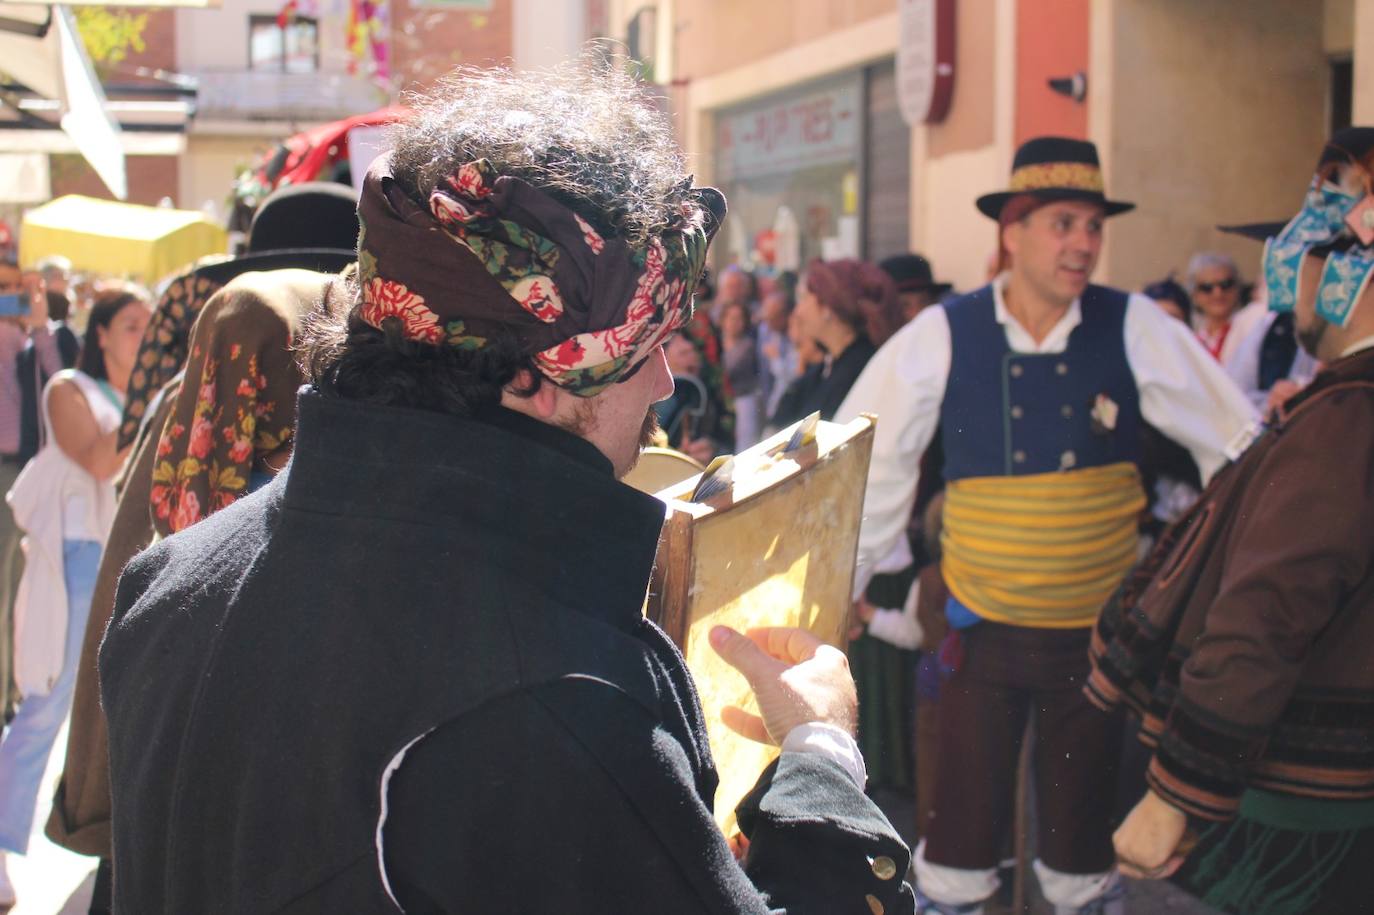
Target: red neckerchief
x=1215, y=349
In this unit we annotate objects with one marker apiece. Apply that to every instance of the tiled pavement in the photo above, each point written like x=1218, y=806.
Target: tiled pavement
x=50, y=880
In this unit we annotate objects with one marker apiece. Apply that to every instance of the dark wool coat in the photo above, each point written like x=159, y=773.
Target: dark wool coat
x=423, y=645
x=260, y=308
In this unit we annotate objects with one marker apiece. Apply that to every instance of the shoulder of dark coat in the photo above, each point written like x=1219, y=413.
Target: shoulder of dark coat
x=218, y=548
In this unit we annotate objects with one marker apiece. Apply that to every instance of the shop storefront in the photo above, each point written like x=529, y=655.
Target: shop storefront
x=817, y=170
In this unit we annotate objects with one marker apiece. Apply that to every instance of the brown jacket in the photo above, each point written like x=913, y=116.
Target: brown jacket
x=1245, y=639
x=272, y=303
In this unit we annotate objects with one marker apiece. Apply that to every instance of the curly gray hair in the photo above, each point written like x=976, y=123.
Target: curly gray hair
x=585, y=133
x=1205, y=260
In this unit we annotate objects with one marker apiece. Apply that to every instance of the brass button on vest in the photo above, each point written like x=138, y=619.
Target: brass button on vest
x=1017, y=412
x=884, y=868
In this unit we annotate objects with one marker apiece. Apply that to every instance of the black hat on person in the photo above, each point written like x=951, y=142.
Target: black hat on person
x=912, y=273
x=1259, y=231
x=1345, y=145
x=1054, y=168
x=311, y=226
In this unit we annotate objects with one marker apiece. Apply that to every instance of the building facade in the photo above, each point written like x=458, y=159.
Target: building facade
x=236, y=78
x=1204, y=113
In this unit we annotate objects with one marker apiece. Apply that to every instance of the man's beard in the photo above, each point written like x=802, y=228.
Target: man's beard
x=584, y=419
x=648, y=433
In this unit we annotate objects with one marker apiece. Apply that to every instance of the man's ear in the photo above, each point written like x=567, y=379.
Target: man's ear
x=1011, y=236
x=544, y=401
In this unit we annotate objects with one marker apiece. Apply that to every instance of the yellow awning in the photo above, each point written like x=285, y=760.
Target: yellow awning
x=118, y=239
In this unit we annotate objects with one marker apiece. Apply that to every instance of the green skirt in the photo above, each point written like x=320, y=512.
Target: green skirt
x=1285, y=855
x=885, y=676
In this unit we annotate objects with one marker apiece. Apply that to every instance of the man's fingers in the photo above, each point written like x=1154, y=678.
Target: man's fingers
x=743, y=654
x=786, y=643
x=1140, y=872
x=1128, y=869
x=1170, y=866
x=745, y=724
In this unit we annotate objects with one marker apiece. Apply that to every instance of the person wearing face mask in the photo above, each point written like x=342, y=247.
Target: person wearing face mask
x=1242, y=641
x=64, y=502
x=1038, y=384
x=1267, y=364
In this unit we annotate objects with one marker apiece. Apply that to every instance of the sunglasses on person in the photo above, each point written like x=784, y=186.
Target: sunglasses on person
x=1209, y=288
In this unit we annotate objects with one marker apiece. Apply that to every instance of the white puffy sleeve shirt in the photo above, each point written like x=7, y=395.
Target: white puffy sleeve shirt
x=1183, y=392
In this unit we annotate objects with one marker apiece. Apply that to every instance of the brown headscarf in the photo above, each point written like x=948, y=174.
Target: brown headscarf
x=238, y=400
x=859, y=293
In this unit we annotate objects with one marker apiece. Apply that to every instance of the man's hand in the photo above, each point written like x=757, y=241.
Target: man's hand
x=1147, y=844
x=37, y=293
x=34, y=293
x=797, y=678
x=863, y=615
x=1279, y=394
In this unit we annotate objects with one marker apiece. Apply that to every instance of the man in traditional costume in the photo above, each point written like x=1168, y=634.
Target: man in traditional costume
x=412, y=673
x=1038, y=384
x=1244, y=641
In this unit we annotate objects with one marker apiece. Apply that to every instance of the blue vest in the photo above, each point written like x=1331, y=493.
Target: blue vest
x=1009, y=414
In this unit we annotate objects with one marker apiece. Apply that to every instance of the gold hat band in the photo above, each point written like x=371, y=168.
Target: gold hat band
x=1076, y=175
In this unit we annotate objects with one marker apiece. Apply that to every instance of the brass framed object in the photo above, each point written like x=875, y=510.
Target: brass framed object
x=774, y=547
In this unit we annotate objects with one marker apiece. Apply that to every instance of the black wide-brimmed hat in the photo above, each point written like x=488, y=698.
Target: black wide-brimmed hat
x=1054, y=168
x=912, y=273
x=310, y=226
x=1348, y=144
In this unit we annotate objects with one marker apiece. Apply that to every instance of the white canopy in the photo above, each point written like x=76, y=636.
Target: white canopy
x=40, y=48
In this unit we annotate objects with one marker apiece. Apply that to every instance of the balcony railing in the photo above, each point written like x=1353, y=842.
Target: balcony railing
x=259, y=95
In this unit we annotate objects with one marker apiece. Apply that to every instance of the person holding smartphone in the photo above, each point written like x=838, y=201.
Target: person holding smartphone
x=64, y=501
x=23, y=317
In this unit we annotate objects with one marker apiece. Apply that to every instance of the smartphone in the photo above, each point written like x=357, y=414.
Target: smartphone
x=14, y=304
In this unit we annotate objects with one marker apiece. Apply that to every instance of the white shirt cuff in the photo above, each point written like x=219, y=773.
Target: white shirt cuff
x=831, y=742
x=899, y=627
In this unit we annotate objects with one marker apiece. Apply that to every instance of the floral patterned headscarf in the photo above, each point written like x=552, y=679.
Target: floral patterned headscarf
x=493, y=254
x=237, y=401
x=163, y=350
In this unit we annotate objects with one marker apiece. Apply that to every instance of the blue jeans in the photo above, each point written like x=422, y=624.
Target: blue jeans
x=28, y=741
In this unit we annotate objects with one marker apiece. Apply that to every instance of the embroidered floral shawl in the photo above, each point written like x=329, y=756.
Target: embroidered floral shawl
x=163, y=350
x=238, y=399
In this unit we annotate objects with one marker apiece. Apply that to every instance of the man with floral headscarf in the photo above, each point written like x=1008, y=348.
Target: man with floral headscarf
x=413, y=671
x=1243, y=640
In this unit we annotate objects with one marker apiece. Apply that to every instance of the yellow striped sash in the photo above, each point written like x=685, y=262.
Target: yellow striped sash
x=1043, y=550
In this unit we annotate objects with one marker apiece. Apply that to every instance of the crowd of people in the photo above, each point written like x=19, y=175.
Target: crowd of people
x=775, y=347
x=346, y=649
